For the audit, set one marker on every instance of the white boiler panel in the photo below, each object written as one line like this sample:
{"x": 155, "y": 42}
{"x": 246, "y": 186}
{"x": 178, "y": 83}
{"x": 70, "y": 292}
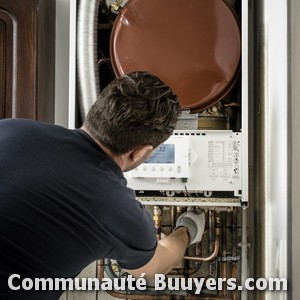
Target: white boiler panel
{"x": 193, "y": 161}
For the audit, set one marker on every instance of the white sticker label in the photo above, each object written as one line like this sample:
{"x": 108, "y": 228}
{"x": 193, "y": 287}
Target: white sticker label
{"x": 224, "y": 160}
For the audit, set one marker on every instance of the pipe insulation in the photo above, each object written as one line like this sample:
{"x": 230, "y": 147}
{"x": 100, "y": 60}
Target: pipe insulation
{"x": 87, "y": 70}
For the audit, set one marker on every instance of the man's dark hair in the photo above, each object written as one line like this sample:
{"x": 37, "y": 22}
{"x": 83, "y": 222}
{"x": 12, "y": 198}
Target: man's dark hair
{"x": 134, "y": 109}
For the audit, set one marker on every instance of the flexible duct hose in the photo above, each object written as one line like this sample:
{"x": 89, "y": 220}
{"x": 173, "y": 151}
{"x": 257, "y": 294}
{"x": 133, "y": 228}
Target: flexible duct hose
{"x": 108, "y": 269}
{"x": 88, "y": 75}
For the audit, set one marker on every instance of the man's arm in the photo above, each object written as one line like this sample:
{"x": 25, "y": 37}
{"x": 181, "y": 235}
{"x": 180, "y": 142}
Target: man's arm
{"x": 171, "y": 249}
{"x": 169, "y": 252}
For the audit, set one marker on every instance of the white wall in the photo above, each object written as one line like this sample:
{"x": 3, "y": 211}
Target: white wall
{"x": 65, "y": 65}
{"x": 295, "y": 146}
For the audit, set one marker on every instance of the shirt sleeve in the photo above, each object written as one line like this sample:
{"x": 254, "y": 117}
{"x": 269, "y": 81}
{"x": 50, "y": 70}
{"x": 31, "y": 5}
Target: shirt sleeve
{"x": 128, "y": 228}
{"x": 138, "y": 241}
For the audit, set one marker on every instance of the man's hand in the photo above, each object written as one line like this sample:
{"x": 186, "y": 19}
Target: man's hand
{"x": 194, "y": 221}
{"x": 171, "y": 249}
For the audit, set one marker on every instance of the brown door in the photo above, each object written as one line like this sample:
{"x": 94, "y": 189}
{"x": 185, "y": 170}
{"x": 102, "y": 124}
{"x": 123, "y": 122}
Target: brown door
{"x": 27, "y": 59}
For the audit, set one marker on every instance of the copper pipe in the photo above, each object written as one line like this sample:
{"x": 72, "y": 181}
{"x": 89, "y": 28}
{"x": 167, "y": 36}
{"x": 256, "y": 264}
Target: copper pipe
{"x": 213, "y": 255}
{"x": 178, "y": 211}
{"x": 183, "y": 271}
{"x": 232, "y": 104}
{"x": 211, "y": 233}
{"x": 223, "y": 274}
{"x": 198, "y": 253}
{"x": 157, "y": 221}
{"x": 234, "y": 275}
{"x": 100, "y": 269}
{"x": 234, "y": 268}
{"x": 132, "y": 296}
{"x": 173, "y": 217}
{"x": 137, "y": 296}
{"x": 234, "y": 233}
{"x": 223, "y": 264}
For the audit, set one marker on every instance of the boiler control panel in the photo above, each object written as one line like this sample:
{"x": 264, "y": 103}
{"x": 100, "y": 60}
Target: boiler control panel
{"x": 192, "y": 161}
{"x": 169, "y": 160}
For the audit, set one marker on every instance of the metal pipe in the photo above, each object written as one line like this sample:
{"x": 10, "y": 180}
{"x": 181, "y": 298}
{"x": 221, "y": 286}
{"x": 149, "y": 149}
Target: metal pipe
{"x": 157, "y": 221}
{"x": 270, "y": 198}
{"x": 184, "y": 271}
{"x": 173, "y": 216}
{"x": 108, "y": 269}
{"x": 87, "y": 70}
{"x": 100, "y": 269}
{"x": 223, "y": 264}
{"x": 234, "y": 274}
{"x": 234, "y": 266}
{"x": 214, "y": 254}
{"x": 234, "y": 233}
{"x": 152, "y": 296}
{"x": 232, "y": 104}
{"x": 244, "y": 253}
{"x": 212, "y": 265}
{"x": 198, "y": 253}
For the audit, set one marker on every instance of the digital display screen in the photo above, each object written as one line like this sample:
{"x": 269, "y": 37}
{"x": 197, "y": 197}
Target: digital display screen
{"x": 164, "y": 154}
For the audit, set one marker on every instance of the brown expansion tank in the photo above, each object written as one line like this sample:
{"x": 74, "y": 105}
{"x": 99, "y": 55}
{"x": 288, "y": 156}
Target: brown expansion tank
{"x": 192, "y": 45}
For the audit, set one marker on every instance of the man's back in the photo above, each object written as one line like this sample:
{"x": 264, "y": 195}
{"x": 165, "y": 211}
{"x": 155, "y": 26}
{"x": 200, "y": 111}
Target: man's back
{"x": 52, "y": 220}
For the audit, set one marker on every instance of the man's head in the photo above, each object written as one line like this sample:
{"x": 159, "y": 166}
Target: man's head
{"x": 134, "y": 110}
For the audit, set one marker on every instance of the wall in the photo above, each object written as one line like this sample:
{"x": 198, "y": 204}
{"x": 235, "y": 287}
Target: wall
{"x": 65, "y": 66}
{"x": 295, "y": 147}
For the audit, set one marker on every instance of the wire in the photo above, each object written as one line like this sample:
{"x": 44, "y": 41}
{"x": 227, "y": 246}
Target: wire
{"x": 107, "y": 60}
